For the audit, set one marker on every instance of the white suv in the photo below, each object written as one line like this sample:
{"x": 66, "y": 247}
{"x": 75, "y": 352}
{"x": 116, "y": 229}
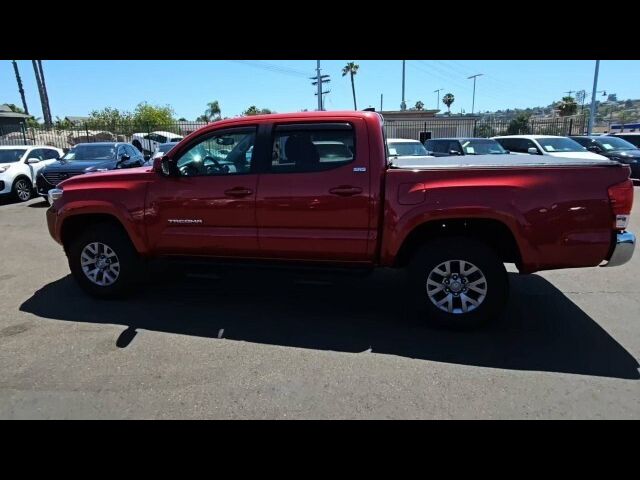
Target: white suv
{"x": 19, "y": 165}
{"x": 148, "y": 142}
{"x": 551, "y": 145}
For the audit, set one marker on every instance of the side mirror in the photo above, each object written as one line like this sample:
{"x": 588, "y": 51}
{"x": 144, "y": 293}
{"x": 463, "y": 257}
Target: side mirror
{"x": 162, "y": 165}
{"x": 147, "y": 157}
{"x": 532, "y": 151}
{"x": 33, "y": 160}
{"x": 594, "y": 148}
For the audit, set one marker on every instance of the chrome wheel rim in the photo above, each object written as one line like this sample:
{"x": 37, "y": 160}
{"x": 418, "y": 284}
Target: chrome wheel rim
{"x": 456, "y": 286}
{"x": 22, "y": 190}
{"x": 100, "y": 264}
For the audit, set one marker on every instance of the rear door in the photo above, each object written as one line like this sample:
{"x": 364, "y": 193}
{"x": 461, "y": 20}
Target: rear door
{"x": 314, "y": 195}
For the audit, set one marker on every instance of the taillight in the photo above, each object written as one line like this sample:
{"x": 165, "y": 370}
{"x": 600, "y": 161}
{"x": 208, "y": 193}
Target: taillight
{"x": 621, "y": 199}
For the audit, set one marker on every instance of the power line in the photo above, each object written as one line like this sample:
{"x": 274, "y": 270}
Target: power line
{"x": 273, "y": 68}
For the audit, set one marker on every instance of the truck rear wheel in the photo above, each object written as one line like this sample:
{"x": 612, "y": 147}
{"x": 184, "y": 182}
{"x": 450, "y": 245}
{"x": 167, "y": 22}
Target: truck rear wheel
{"x": 103, "y": 261}
{"x": 458, "y": 282}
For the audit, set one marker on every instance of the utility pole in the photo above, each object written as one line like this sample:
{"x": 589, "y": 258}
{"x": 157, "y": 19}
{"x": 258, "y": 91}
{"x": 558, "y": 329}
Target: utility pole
{"x": 473, "y": 102}
{"x": 569, "y": 92}
{"x": 593, "y": 98}
{"x": 319, "y": 80}
{"x": 49, "y": 120}
{"x": 381, "y": 102}
{"x": 20, "y": 89}
{"x": 40, "y": 91}
{"x": 438, "y": 97}
{"x": 403, "y": 104}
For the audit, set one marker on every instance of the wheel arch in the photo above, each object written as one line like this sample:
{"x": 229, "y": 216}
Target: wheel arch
{"x": 74, "y": 224}
{"x": 494, "y": 233}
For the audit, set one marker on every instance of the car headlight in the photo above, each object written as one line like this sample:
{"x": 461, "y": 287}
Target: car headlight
{"x": 4, "y": 168}
{"x": 54, "y": 194}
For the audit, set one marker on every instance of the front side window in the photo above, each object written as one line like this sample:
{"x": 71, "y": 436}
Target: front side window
{"x": 11, "y": 155}
{"x": 50, "y": 154}
{"x": 560, "y": 144}
{"x": 221, "y": 154}
{"x": 311, "y": 150}
{"x": 36, "y": 153}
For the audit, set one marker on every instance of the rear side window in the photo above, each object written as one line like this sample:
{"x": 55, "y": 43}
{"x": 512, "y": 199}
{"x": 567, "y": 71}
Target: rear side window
{"x": 437, "y": 146}
{"x": 519, "y": 145}
{"x": 50, "y": 154}
{"x": 312, "y": 147}
{"x": 454, "y": 146}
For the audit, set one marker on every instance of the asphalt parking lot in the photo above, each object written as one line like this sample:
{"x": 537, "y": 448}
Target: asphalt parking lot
{"x": 253, "y": 344}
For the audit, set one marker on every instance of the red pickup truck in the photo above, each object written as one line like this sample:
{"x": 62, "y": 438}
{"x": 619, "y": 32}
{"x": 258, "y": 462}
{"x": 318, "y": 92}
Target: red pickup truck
{"x": 318, "y": 189}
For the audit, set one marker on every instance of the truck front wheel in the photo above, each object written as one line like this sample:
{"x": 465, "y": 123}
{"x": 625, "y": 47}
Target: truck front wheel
{"x": 103, "y": 261}
{"x": 458, "y": 282}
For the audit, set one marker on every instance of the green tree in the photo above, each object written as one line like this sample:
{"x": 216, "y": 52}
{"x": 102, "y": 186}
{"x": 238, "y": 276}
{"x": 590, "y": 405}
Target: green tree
{"x": 419, "y": 105}
{"x": 351, "y": 69}
{"x": 448, "y": 100}
{"x": 519, "y": 125}
{"x": 484, "y": 130}
{"x": 253, "y": 110}
{"x": 213, "y": 112}
{"x": 567, "y": 106}
{"x": 146, "y": 114}
{"x": 109, "y": 119}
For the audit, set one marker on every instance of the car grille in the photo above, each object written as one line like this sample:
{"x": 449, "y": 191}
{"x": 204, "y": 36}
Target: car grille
{"x": 55, "y": 178}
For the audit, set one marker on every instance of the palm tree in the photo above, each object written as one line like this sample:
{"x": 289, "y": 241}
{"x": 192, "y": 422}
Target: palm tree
{"x": 351, "y": 68}
{"x": 213, "y": 111}
{"x": 448, "y": 100}
{"x": 20, "y": 89}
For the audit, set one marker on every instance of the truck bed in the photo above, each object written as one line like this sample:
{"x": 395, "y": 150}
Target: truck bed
{"x": 496, "y": 161}
{"x": 558, "y": 210}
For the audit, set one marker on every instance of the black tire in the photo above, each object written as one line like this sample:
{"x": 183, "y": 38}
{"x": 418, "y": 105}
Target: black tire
{"x": 130, "y": 265}
{"x": 453, "y": 250}
{"x": 22, "y": 187}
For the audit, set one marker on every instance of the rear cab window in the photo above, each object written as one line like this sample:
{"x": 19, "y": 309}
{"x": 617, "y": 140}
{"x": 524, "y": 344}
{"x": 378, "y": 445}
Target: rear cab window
{"x": 312, "y": 147}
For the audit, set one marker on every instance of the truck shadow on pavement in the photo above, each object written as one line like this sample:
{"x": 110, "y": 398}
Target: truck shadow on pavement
{"x": 542, "y": 330}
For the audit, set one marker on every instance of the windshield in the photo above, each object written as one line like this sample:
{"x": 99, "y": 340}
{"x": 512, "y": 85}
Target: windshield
{"x": 409, "y": 149}
{"x": 11, "y": 155}
{"x": 560, "y": 144}
{"x": 614, "y": 143}
{"x": 90, "y": 152}
{"x": 482, "y": 147}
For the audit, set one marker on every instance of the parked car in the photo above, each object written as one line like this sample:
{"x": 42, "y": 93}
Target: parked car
{"x": 404, "y": 147}
{"x": 406, "y": 152}
{"x": 160, "y": 150}
{"x": 148, "y": 142}
{"x": 550, "y": 145}
{"x": 286, "y": 204}
{"x": 87, "y": 158}
{"x": 614, "y": 148}
{"x": 19, "y": 167}
{"x": 444, "y": 147}
{"x": 631, "y": 137}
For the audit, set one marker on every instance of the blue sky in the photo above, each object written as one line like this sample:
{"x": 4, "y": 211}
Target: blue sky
{"x": 79, "y": 86}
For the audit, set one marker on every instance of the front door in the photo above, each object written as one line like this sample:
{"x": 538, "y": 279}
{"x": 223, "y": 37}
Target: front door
{"x": 209, "y": 208}
{"x": 314, "y": 197}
